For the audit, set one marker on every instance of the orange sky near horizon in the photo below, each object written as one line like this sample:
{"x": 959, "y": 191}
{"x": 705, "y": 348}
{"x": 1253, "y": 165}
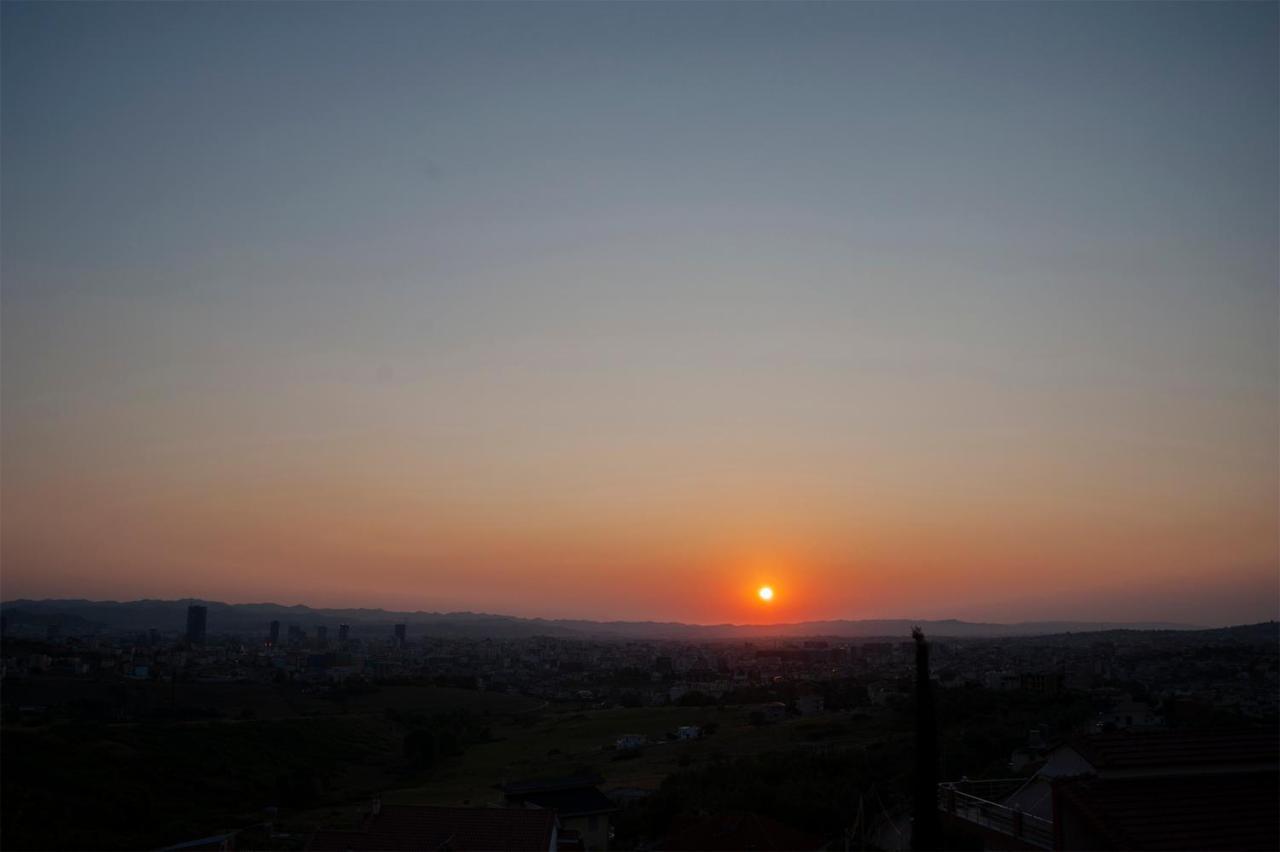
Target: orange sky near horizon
{"x": 677, "y": 510}
{"x": 620, "y": 311}
{"x": 293, "y": 531}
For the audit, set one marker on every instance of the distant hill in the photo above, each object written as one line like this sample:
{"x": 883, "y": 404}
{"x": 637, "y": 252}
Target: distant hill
{"x": 76, "y": 616}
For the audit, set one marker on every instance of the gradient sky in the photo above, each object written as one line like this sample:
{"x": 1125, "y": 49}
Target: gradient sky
{"x": 616, "y": 311}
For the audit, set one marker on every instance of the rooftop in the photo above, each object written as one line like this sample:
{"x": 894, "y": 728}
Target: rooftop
{"x": 1185, "y": 812}
{"x": 577, "y": 801}
{"x": 1171, "y": 749}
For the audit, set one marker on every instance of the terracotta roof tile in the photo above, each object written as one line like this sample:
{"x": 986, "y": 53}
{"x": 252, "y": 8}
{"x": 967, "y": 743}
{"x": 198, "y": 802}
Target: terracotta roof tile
{"x": 1157, "y": 749}
{"x": 1188, "y": 812}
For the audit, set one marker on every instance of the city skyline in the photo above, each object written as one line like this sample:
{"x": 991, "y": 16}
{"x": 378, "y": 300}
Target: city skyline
{"x": 626, "y": 311}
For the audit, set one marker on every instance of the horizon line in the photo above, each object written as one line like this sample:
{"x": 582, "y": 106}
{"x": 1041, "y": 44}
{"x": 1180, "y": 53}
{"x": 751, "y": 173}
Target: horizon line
{"x": 1148, "y": 623}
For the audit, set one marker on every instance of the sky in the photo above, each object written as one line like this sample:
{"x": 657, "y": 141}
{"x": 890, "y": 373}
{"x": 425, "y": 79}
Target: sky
{"x": 623, "y": 310}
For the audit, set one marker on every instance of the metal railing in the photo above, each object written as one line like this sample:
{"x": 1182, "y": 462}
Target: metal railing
{"x": 977, "y": 802}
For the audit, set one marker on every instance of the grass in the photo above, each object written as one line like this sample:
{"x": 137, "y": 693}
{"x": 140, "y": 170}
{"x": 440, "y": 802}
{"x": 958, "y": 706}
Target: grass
{"x": 560, "y": 743}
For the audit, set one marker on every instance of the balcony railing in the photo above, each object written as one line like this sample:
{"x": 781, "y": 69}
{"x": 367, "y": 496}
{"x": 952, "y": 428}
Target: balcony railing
{"x": 978, "y": 803}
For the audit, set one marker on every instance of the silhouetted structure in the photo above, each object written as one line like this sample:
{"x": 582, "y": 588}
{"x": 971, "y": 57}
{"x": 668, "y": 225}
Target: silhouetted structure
{"x": 322, "y": 636}
{"x": 575, "y": 799}
{"x": 275, "y": 634}
{"x": 197, "y": 624}
{"x": 400, "y": 634}
{"x": 344, "y": 632}
{"x": 926, "y": 827}
{"x": 1180, "y": 790}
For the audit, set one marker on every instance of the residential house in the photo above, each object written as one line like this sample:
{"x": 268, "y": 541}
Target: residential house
{"x": 577, "y": 802}
{"x": 1128, "y": 715}
{"x": 1132, "y": 790}
{"x": 630, "y": 741}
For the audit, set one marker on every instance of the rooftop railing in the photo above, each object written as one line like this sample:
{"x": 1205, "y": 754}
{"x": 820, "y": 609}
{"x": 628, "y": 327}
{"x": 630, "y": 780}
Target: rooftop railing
{"x": 979, "y": 803}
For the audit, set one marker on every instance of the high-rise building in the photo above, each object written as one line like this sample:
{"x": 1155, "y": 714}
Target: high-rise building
{"x": 322, "y": 636}
{"x": 400, "y": 632}
{"x": 197, "y": 624}
{"x": 275, "y": 634}
{"x": 344, "y": 632}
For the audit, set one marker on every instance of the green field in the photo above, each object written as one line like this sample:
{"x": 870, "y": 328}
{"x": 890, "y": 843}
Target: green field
{"x": 560, "y": 743}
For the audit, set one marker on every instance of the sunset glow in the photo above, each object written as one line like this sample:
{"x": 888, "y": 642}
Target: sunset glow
{"x": 626, "y": 311}
{"x": 632, "y": 426}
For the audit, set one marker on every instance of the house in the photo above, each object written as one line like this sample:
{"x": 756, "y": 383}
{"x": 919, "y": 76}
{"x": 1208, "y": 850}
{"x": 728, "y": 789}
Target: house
{"x": 1127, "y": 715}
{"x": 1131, "y": 790}
{"x": 414, "y": 827}
{"x": 575, "y": 800}
{"x": 1031, "y": 753}
{"x": 630, "y": 741}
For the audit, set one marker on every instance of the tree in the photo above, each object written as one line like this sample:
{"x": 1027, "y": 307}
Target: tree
{"x": 926, "y": 827}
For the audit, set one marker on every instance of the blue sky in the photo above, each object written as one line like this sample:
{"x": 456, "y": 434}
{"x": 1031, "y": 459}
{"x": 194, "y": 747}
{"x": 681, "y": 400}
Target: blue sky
{"x": 523, "y": 291}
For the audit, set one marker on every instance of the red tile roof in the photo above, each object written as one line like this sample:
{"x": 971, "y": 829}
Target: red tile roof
{"x": 421, "y": 827}
{"x": 1172, "y": 749}
{"x": 570, "y": 803}
{"x": 1237, "y": 811}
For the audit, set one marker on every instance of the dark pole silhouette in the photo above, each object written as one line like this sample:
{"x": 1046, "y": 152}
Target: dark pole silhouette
{"x": 926, "y": 828}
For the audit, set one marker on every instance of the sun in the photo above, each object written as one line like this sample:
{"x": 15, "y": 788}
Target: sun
{"x": 765, "y": 593}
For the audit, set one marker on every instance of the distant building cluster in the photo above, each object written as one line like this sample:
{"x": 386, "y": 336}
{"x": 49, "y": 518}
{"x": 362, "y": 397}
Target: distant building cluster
{"x": 1135, "y": 680}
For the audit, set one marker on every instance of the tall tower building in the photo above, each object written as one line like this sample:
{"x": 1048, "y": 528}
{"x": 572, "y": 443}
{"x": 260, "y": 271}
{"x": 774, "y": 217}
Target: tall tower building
{"x": 197, "y": 624}
{"x": 400, "y": 633}
{"x": 275, "y": 634}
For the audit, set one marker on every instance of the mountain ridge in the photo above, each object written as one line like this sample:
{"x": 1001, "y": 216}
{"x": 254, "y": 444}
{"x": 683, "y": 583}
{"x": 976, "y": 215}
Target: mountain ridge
{"x": 165, "y": 614}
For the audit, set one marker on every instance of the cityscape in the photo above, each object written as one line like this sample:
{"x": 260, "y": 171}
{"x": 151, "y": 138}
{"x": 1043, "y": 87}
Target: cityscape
{"x": 684, "y": 426}
{"x": 607, "y": 733}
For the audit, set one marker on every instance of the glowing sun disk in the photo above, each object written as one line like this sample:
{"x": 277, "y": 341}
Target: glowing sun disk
{"x": 765, "y": 593}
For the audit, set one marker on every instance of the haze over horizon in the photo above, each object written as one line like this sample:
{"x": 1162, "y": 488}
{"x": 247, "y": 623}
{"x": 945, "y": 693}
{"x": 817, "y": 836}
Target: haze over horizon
{"x": 622, "y": 311}
{"x": 394, "y": 610}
